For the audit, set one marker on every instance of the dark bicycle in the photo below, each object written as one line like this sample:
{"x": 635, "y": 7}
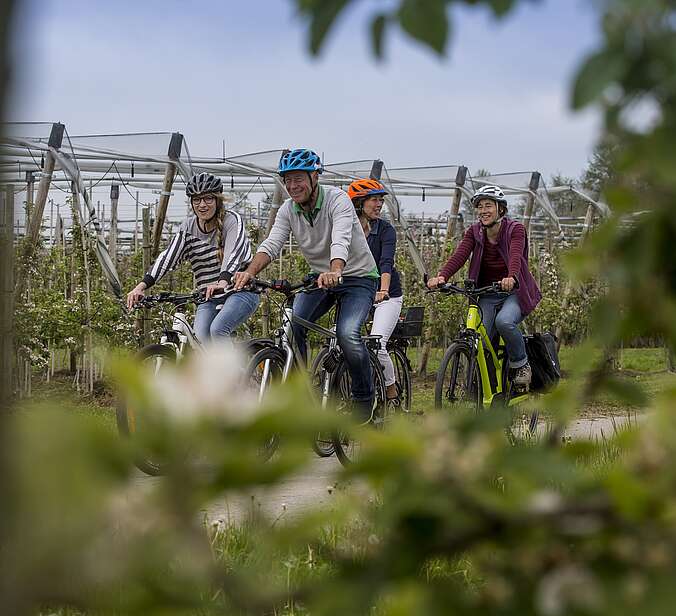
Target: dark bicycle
{"x": 274, "y": 362}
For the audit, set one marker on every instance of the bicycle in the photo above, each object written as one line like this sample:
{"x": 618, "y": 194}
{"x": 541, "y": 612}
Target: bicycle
{"x": 274, "y": 362}
{"x": 474, "y": 370}
{"x": 175, "y": 344}
{"x": 409, "y": 325}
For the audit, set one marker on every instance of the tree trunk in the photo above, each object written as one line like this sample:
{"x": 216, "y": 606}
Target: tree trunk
{"x": 424, "y": 358}
{"x": 6, "y": 296}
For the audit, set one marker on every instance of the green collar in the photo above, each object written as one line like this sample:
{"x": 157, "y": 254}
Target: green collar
{"x": 318, "y": 205}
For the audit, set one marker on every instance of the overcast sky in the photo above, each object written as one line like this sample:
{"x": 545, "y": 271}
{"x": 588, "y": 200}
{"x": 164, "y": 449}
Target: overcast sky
{"x": 239, "y": 71}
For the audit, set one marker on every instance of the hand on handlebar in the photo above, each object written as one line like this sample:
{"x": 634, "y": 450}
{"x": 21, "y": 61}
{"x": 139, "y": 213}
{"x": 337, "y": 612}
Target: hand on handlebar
{"x": 135, "y": 295}
{"x": 219, "y": 287}
{"x": 327, "y": 280}
{"x": 508, "y": 284}
{"x": 433, "y": 283}
{"x": 241, "y": 280}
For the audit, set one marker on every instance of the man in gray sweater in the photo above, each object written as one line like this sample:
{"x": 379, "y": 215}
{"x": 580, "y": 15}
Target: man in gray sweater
{"x": 328, "y": 233}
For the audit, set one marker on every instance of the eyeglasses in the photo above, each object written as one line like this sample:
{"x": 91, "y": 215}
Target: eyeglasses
{"x": 208, "y": 199}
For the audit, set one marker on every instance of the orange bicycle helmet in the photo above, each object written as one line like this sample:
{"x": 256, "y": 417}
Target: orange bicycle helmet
{"x": 365, "y": 188}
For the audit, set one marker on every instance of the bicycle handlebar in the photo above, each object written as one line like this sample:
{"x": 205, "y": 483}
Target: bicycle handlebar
{"x": 284, "y": 286}
{"x": 165, "y": 297}
{"x": 449, "y": 288}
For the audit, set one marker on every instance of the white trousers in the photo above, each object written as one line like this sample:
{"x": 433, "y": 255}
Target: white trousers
{"x": 385, "y": 318}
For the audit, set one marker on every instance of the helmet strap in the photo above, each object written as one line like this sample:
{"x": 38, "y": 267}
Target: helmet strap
{"x": 312, "y": 191}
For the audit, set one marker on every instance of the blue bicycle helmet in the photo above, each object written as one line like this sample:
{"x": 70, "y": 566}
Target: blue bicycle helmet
{"x": 299, "y": 159}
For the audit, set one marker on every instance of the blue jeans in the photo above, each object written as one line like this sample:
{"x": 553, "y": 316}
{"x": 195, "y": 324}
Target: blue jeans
{"x": 505, "y": 315}
{"x": 355, "y": 297}
{"x": 215, "y": 318}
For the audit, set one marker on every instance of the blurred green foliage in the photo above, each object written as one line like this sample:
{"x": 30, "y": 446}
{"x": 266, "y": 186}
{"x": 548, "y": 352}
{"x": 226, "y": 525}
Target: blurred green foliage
{"x": 444, "y": 516}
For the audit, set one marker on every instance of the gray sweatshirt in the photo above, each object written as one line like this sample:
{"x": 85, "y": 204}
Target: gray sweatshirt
{"x": 332, "y": 232}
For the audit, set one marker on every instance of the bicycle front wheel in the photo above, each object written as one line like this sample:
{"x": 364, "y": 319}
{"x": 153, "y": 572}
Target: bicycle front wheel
{"x": 458, "y": 379}
{"x": 132, "y": 422}
{"x": 347, "y": 446}
{"x": 265, "y": 369}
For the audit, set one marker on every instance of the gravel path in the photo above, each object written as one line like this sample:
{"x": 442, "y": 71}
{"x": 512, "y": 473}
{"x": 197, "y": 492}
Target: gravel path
{"x": 315, "y": 486}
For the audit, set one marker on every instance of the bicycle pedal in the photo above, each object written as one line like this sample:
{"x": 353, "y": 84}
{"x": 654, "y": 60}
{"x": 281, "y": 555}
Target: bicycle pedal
{"x": 520, "y": 389}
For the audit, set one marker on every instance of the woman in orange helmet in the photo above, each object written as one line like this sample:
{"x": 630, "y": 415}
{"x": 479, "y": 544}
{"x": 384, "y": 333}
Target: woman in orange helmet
{"x": 368, "y": 197}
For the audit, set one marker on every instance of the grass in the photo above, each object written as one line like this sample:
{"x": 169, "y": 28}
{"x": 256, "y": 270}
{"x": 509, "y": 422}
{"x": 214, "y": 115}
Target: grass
{"x": 99, "y": 407}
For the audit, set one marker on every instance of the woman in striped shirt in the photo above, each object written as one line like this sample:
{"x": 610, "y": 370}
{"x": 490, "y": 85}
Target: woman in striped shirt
{"x": 215, "y": 242}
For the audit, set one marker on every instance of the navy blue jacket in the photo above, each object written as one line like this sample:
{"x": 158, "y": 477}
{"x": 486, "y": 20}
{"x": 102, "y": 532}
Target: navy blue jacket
{"x": 382, "y": 240}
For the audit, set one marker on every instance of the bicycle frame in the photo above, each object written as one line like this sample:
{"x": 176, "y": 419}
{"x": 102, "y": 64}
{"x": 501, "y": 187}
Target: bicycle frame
{"x": 482, "y": 350}
{"x": 286, "y": 341}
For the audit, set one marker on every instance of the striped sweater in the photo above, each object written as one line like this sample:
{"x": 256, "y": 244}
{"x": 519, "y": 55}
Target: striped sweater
{"x": 201, "y": 249}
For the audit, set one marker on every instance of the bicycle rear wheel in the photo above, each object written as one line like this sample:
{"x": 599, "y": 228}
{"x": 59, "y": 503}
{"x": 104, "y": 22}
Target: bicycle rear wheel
{"x": 132, "y": 423}
{"x": 402, "y": 373}
{"x": 347, "y": 446}
{"x": 458, "y": 379}
{"x": 265, "y": 369}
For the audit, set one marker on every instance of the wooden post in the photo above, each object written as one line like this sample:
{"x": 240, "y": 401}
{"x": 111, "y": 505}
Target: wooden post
{"x": 6, "y": 297}
{"x": 568, "y": 290}
{"x": 112, "y": 236}
{"x": 30, "y": 196}
{"x": 278, "y": 195}
{"x": 530, "y": 201}
{"x": 460, "y": 178}
{"x": 51, "y": 222}
{"x": 174, "y": 154}
{"x": 33, "y": 232}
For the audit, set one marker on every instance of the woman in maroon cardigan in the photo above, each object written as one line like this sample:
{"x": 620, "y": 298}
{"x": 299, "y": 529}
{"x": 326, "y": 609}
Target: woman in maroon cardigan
{"x": 499, "y": 249}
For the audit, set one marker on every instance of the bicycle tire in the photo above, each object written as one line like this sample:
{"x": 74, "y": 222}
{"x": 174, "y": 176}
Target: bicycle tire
{"x": 322, "y": 444}
{"x": 402, "y": 374}
{"x": 451, "y": 382}
{"x": 275, "y": 361}
{"x": 346, "y": 446}
{"x": 530, "y": 425}
{"x": 127, "y": 416}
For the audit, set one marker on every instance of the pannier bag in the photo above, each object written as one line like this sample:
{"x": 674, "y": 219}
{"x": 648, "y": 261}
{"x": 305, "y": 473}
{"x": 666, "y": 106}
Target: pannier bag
{"x": 544, "y": 361}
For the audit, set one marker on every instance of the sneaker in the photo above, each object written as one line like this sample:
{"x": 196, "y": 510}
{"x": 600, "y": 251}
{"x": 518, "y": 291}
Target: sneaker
{"x": 523, "y": 375}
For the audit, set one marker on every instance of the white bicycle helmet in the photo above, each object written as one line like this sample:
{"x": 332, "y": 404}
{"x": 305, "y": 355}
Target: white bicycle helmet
{"x": 489, "y": 191}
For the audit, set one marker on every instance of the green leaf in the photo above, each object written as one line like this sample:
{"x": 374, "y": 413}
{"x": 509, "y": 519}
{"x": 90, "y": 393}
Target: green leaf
{"x": 501, "y": 7}
{"x": 377, "y": 31}
{"x": 598, "y": 72}
{"x": 322, "y": 16}
{"x": 426, "y": 21}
